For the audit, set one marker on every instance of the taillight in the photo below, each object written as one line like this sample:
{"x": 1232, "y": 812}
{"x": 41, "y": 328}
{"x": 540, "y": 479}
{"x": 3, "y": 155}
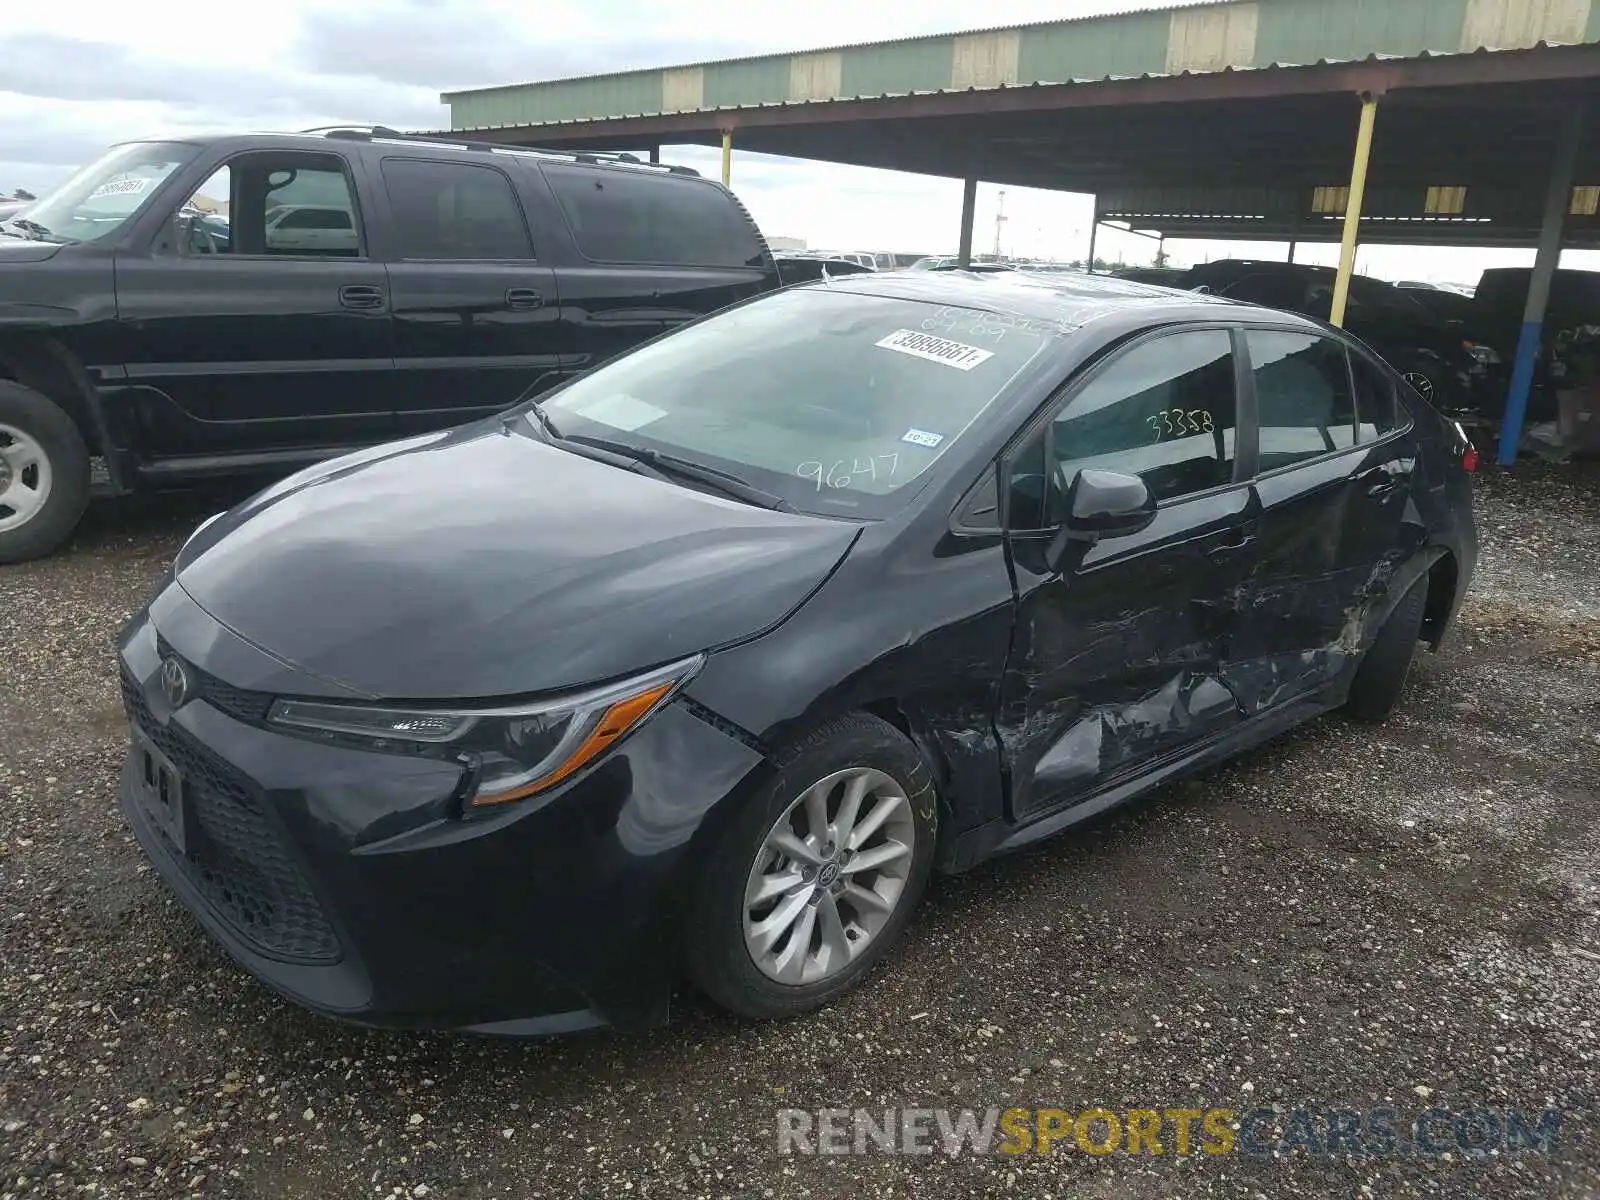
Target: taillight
{"x": 1469, "y": 459}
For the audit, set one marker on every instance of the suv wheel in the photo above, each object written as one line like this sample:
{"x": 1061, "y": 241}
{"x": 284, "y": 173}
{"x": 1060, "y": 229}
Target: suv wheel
{"x": 44, "y": 474}
{"x": 1422, "y": 382}
{"x": 813, "y": 882}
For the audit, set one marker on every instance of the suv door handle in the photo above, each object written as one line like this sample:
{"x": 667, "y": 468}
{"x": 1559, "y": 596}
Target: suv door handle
{"x": 361, "y": 295}
{"x": 524, "y": 298}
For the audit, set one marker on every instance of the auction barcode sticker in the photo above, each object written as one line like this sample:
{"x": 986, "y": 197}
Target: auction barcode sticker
{"x": 935, "y": 349}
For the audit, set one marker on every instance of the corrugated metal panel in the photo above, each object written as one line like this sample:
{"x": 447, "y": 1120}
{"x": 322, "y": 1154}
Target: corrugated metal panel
{"x": 1212, "y": 39}
{"x": 1305, "y": 31}
{"x": 569, "y": 99}
{"x": 984, "y": 60}
{"x": 683, "y": 89}
{"x": 1067, "y": 50}
{"x": 894, "y": 68}
{"x": 1206, "y": 36}
{"x": 1518, "y": 24}
{"x": 814, "y": 76}
{"x": 843, "y": 46}
{"x": 747, "y": 81}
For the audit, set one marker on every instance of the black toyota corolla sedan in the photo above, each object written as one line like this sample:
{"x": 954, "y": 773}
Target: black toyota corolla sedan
{"x": 700, "y": 664}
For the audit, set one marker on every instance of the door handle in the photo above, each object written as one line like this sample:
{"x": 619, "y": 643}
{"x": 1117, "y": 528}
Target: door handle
{"x": 361, "y": 295}
{"x": 1378, "y": 483}
{"x": 524, "y": 298}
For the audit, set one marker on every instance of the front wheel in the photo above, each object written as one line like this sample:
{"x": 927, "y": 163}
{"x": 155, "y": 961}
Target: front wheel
{"x": 812, "y": 883}
{"x": 44, "y": 474}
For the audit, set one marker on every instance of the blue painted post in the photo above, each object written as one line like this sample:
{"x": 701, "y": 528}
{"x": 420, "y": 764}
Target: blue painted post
{"x": 1557, "y": 201}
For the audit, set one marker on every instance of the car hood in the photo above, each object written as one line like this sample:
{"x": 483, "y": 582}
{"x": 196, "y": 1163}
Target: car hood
{"x": 25, "y": 250}
{"x": 485, "y": 563}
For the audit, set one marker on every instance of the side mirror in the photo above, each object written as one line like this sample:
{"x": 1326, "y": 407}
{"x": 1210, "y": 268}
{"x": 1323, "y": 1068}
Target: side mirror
{"x": 1100, "y": 504}
{"x": 1203, "y": 288}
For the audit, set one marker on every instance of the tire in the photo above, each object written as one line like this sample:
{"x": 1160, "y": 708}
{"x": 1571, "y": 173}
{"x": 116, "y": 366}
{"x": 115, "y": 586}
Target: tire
{"x": 1382, "y": 674}
{"x": 1427, "y": 380}
{"x": 717, "y": 921}
{"x": 44, "y": 474}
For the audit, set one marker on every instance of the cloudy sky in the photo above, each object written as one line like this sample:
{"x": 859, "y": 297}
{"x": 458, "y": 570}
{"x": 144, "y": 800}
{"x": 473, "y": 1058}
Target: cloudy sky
{"x": 73, "y": 80}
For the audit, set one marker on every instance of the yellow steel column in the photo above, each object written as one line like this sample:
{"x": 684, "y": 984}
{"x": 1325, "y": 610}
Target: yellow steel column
{"x": 1352, "y": 211}
{"x": 727, "y": 157}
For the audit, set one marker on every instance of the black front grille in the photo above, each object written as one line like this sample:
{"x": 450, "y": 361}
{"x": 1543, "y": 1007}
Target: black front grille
{"x": 239, "y": 703}
{"x": 235, "y": 857}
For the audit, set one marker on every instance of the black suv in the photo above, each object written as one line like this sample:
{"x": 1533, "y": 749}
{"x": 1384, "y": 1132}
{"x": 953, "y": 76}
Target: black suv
{"x": 1446, "y": 368}
{"x": 243, "y": 304}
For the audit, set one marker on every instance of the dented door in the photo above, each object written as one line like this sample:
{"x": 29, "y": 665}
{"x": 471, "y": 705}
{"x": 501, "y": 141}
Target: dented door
{"x": 1119, "y": 661}
{"x": 1331, "y": 505}
{"x": 1117, "y": 658}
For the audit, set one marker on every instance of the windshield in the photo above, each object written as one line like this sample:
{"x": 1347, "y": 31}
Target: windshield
{"x": 100, "y": 198}
{"x": 834, "y": 401}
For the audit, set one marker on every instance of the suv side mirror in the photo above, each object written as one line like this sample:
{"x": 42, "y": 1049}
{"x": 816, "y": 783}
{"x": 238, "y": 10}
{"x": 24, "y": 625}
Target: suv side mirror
{"x": 1100, "y": 504}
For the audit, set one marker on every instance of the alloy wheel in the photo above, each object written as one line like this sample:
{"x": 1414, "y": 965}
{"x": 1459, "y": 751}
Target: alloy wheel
{"x": 829, "y": 875}
{"x": 25, "y": 478}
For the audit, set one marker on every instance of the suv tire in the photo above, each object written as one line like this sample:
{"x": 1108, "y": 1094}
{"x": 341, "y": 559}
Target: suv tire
{"x": 1382, "y": 674}
{"x": 854, "y": 755}
{"x": 44, "y": 474}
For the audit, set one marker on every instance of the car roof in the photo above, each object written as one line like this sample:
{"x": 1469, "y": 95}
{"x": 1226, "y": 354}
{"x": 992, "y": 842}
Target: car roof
{"x": 1067, "y": 301}
{"x": 421, "y": 144}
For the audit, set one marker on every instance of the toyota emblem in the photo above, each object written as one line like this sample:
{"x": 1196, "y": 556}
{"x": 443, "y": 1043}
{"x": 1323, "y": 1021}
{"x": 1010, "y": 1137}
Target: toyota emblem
{"x": 174, "y": 681}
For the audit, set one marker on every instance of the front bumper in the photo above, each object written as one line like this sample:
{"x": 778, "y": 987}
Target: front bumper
{"x": 349, "y": 881}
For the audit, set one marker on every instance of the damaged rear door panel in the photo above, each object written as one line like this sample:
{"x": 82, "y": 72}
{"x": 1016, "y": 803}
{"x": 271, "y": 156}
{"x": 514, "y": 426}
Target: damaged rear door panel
{"x": 1119, "y": 658}
{"x": 1333, "y": 488}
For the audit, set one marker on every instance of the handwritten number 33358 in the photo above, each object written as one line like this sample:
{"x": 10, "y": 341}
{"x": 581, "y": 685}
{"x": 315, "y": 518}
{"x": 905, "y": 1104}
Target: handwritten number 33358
{"x": 1176, "y": 422}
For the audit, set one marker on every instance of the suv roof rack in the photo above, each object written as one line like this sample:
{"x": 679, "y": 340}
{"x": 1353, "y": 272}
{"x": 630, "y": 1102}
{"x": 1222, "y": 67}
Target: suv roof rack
{"x": 367, "y": 133}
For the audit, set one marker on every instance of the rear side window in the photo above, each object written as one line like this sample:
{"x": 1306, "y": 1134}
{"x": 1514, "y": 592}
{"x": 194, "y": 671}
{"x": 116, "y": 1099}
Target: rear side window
{"x": 1164, "y": 410}
{"x": 1303, "y": 400}
{"x": 454, "y": 211}
{"x": 628, "y": 216}
{"x": 1376, "y": 407}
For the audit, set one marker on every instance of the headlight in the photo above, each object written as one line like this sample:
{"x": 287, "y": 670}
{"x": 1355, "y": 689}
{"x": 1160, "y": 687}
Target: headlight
{"x": 515, "y": 751}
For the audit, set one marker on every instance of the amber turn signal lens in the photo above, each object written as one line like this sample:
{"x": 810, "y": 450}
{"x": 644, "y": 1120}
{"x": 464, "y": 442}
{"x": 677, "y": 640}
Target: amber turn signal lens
{"x": 616, "y": 721}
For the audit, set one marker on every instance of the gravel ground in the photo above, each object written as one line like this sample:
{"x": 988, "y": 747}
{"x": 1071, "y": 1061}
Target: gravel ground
{"x": 1394, "y": 917}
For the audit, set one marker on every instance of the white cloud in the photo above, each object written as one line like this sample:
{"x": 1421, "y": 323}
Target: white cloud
{"x": 117, "y": 71}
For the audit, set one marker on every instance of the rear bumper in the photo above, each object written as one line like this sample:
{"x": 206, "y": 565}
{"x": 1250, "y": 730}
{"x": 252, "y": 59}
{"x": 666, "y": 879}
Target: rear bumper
{"x": 350, "y": 882}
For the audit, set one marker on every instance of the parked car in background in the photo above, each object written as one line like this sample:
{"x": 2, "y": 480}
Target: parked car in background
{"x": 705, "y": 662}
{"x": 1497, "y": 311}
{"x": 1444, "y": 365}
{"x": 934, "y": 262}
{"x": 314, "y": 228}
{"x": 1160, "y": 276}
{"x": 796, "y": 267}
{"x": 364, "y": 286}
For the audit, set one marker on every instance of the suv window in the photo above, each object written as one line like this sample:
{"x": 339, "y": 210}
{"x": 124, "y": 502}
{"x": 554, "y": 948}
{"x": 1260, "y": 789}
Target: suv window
{"x": 268, "y": 196}
{"x": 454, "y": 211}
{"x": 1376, "y": 405}
{"x": 1164, "y": 410}
{"x": 1303, "y": 400}
{"x": 629, "y": 216}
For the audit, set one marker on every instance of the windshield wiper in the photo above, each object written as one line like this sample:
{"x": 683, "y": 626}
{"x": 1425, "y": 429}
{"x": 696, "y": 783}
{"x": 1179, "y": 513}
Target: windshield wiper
{"x": 40, "y": 232}
{"x": 670, "y": 465}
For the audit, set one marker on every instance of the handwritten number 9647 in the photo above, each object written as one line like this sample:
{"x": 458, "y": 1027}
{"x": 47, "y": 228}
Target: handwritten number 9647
{"x": 1178, "y": 422}
{"x": 841, "y": 473}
